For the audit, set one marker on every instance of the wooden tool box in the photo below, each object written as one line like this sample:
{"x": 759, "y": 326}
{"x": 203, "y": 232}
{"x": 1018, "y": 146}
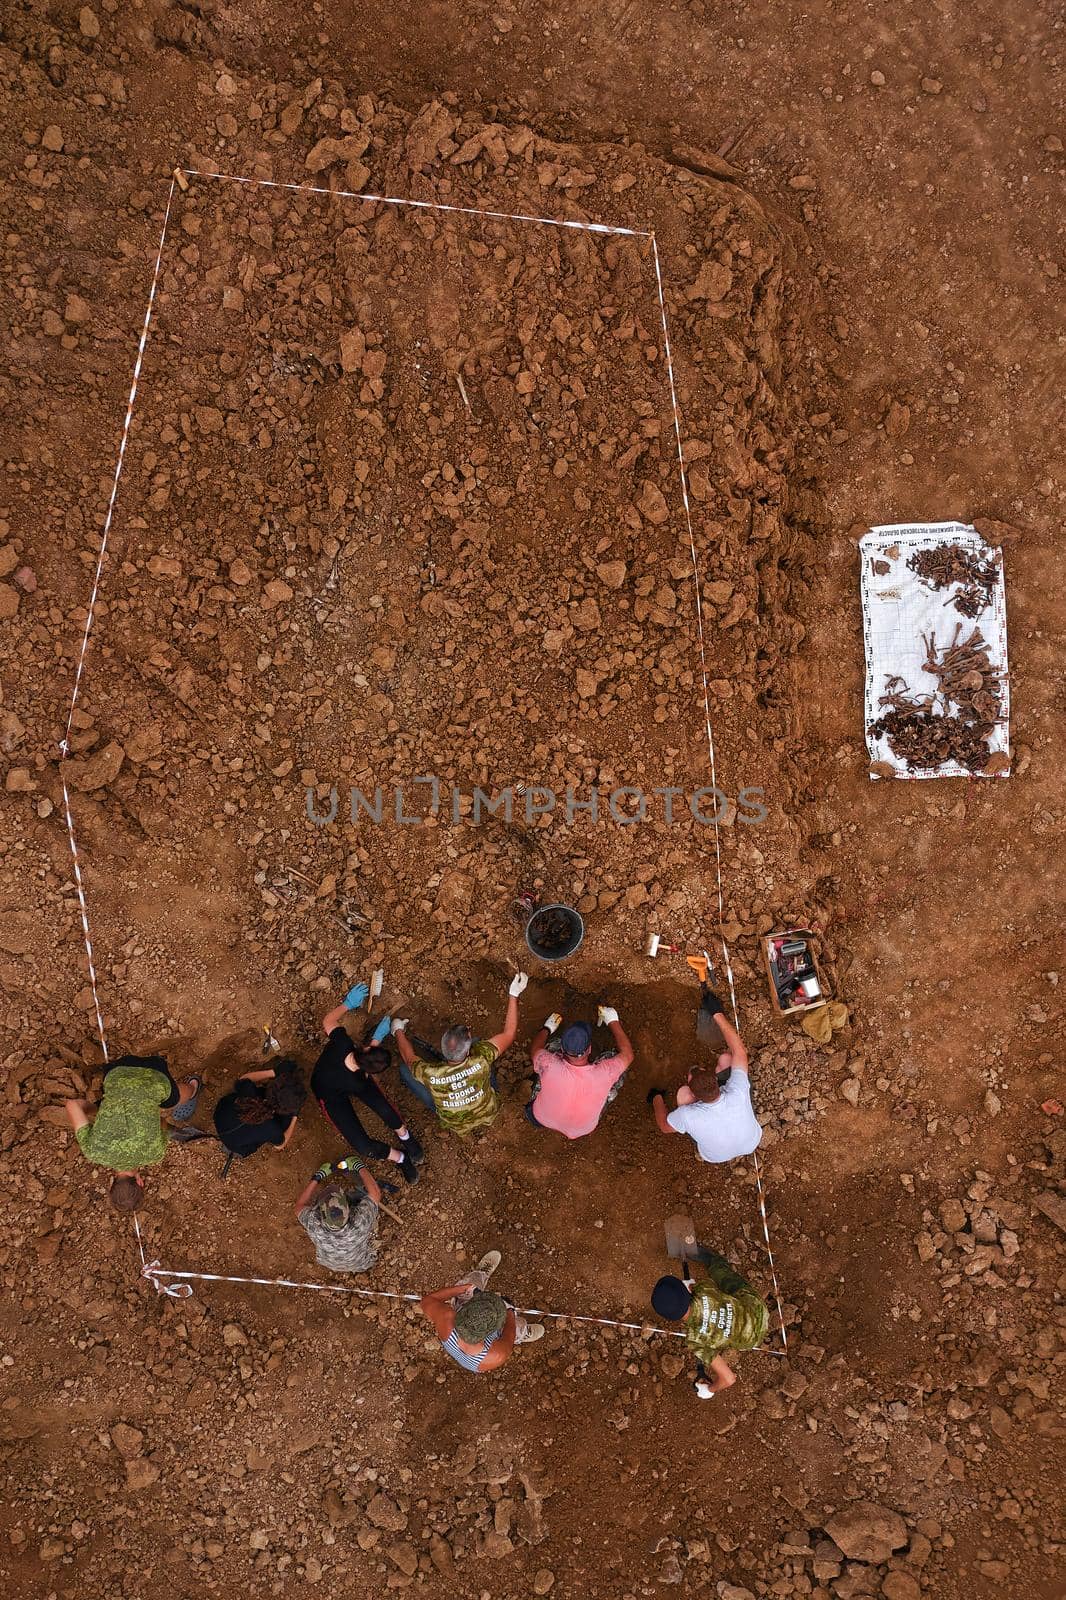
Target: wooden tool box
{"x": 792, "y": 971}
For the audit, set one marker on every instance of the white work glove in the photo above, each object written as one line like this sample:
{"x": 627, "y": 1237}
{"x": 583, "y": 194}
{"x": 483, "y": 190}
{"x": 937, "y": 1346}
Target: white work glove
{"x": 399, "y": 1024}
{"x": 607, "y": 1014}
{"x": 704, "y": 1390}
{"x": 518, "y": 983}
{"x": 552, "y": 1022}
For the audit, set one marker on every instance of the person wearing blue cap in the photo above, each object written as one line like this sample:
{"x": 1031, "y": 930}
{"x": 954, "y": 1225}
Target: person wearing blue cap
{"x": 571, "y": 1086}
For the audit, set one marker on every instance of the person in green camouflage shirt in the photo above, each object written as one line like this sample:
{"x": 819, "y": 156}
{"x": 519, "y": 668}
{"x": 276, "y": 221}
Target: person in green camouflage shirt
{"x": 720, "y": 1312}
{"x": 460, "y": 1086}
{"x": 127, "y": 1132}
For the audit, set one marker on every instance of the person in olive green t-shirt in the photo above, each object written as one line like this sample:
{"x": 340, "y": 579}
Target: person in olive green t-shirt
{"x": 461, "y": 1087}
{"x": 720, "y": 1312}
{"x": 126, "y": 1133}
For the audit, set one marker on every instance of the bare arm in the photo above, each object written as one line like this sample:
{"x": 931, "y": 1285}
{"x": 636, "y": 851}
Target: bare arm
{"x": 259, "y": 1077}
{"x": 734, "y": 1043}
{"x": 307, "y": 1196}
{"x": 371, "y": 1185}
{"x": 499, "y": 1352}
{"x": 334, "y": 1019}
{"x": 658, "y": 1106}
{"x": 438, "y": 1309}
{"x": 289, "y": 1131}
{"x": 441, "y": 1296}
{"x": 720, "y": 1375}
{"x": 621, "y": 1039}
{"x": 76, "y": 1111}
{"x": 539, "y": 1040}
{"x": 504, "y": 1040}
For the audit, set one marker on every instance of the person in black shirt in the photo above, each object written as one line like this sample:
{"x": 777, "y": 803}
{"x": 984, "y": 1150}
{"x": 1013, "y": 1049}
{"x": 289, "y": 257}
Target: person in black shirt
{"x": 261, "y": 1108}
{"x": 345, "y": 1072}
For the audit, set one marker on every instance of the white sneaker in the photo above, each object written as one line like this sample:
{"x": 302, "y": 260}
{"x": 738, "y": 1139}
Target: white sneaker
{"x": 489, "y": 1262}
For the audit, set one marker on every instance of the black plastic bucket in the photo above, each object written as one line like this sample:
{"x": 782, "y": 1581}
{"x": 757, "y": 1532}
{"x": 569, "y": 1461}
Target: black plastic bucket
{"x": 554, "y": 932}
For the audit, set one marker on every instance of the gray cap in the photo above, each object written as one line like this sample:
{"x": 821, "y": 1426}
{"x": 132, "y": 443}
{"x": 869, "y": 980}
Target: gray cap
{"x": 455, "y": 1043}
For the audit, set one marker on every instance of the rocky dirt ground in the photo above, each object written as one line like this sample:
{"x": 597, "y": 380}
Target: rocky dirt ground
{"x": 401, "y": 497}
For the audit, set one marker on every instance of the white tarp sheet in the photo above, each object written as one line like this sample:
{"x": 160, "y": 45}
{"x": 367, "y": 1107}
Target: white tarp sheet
{"x": 898, "y": 608}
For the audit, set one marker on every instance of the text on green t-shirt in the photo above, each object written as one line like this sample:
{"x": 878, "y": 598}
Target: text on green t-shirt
{"x": 462, "y": 1090}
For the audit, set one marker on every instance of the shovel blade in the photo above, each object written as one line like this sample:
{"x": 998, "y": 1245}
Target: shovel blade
{"x": 680, "y": 1233}
{"x": 707, "y": 1030}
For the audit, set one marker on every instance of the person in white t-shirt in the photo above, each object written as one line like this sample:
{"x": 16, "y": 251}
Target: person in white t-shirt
{"x": 717, "y": 1116}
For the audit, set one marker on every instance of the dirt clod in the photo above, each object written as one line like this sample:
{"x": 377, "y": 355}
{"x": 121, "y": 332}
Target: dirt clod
{"x": 866, "y": 1531}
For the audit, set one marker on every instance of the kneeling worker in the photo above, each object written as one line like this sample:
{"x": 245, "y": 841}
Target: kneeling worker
{"x": 572, "y": 1088}
{"x": 461, "y": 1086}
{"x": 346, "y": 1071}
{"x": 717, "y": 1116}
{"x": 341, "y": 1219}
{"x": 126, "y": 1132}
{"x": 477, "y": 1329}
{"x": 720, "y": 1312}
{"x": 261, "y": 1108}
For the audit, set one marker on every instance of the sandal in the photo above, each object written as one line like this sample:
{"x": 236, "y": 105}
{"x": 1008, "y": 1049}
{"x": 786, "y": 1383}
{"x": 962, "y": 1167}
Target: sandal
{"x": 185, "y": 1109}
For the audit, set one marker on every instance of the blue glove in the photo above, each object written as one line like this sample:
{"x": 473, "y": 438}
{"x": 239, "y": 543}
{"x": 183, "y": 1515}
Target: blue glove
{"x": 356, "y": 996}
{"x": 382, "y": 1031}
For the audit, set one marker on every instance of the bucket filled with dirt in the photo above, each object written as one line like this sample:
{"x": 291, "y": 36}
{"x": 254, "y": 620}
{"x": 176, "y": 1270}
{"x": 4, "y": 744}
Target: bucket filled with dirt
{"x": 554, "y": 932}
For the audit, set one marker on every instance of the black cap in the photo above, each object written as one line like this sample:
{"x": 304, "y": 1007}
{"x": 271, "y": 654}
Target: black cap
{"x": 670, "y": 1298}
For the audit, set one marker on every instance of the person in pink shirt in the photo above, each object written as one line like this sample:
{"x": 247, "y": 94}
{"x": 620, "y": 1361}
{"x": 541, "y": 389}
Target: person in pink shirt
{"x": 572, "y": 1089}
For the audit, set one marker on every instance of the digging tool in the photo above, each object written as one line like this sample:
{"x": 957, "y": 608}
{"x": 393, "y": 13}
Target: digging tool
{"x": 680, "y": 1231}
{"x": 342, "y": 1166}
{"x": 426, "y": 1051}
{"x": 190, "y": 1135}
{"x": 707, "y": 1030}
{"x": 655, "y": 944}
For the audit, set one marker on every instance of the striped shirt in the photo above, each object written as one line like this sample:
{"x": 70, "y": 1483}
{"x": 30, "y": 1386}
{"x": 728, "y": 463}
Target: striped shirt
{"x": 471, "y": 1362}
